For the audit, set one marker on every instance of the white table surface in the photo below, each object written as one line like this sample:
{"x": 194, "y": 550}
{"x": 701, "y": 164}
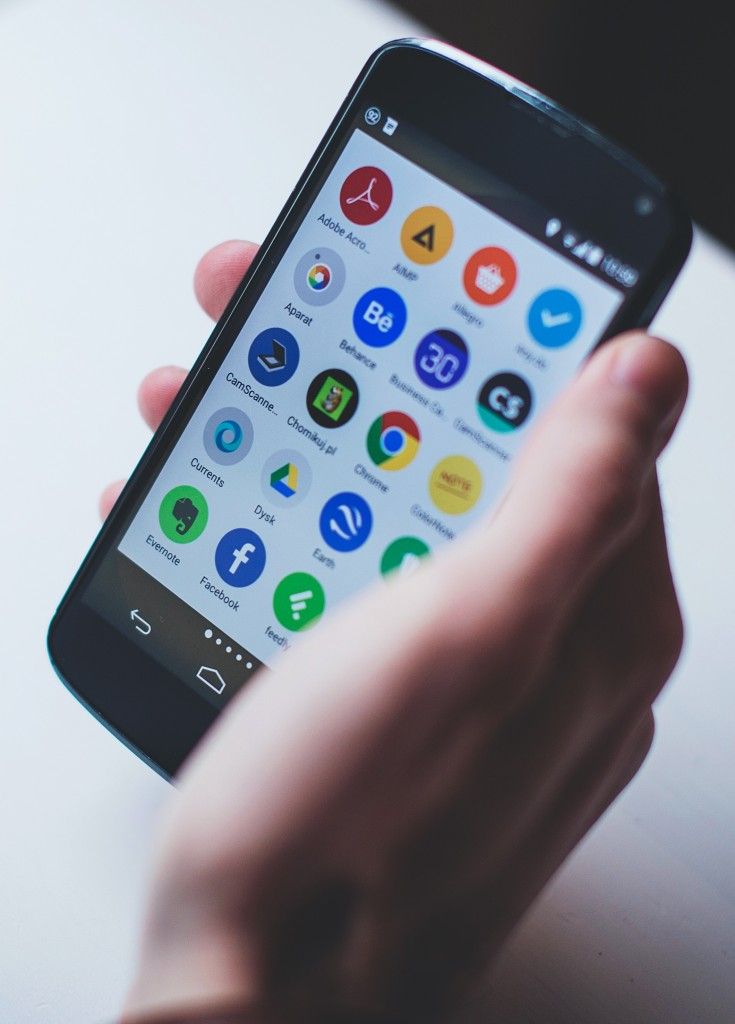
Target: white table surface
{"x": 133, "y": 135}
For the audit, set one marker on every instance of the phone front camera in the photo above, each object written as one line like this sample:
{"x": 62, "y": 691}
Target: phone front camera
{"x": 644, "y": 206}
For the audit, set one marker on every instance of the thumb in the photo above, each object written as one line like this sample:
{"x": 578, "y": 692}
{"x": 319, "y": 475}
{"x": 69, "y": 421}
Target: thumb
{"x": 576, "y": 493}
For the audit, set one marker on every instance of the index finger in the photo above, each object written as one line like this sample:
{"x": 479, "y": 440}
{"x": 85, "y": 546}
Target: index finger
{"x": 216, "y": 277}
{"x": 219, "y": 272}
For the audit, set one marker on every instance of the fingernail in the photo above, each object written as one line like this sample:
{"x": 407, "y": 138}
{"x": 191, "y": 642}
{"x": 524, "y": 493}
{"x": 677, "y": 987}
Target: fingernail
{"x": 655, "y": 371}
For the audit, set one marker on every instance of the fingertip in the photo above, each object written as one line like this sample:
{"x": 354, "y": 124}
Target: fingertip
{"x": 219, "y": 272}
{"x": 157, "y": 391}
{"x": 652, "y": 370}
{"x": 109, "y": 496}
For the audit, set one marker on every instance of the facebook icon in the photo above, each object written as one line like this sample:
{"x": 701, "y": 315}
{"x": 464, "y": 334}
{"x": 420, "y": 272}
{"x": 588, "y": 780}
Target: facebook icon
{"x": 240, "y": 557}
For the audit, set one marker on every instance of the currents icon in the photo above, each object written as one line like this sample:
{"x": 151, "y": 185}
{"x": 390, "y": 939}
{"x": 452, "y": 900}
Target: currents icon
{"x": 228, "y": 436}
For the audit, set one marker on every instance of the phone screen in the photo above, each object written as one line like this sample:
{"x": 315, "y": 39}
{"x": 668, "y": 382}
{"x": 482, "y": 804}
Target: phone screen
{"x": 418, "y": 323}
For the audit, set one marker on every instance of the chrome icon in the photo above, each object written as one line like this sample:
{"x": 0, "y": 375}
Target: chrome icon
{"x": 319, "y": 276}
{"x": 393, "y": 440}
{"x": 228, "y": 436}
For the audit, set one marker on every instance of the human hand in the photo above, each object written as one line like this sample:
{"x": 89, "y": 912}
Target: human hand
{"x": 362, "y": 828}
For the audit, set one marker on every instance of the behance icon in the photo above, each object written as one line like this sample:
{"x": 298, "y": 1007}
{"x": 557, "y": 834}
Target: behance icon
{"x": 228, "y": 436}
{"x": 393, "y": 440}
{"x": 379, "y": 317}
{"x": 285, "y": 478}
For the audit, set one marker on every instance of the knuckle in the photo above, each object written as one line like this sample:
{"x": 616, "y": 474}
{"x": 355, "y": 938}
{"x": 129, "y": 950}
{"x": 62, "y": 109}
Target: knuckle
{"x": 647, "y": 732}
{"x": 638, "y": 746}
{"x": 666, "y": 640}
{"x": 630, "y": 666}
{"x": 647, "y": 663}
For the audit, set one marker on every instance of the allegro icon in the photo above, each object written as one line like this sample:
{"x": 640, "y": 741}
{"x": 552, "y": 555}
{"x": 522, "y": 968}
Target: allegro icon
{"x": 489, "y": 275}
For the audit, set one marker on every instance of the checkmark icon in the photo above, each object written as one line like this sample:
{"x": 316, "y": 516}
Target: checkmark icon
{"x": 554, "y": 318}
{"x": 549, "y": 319}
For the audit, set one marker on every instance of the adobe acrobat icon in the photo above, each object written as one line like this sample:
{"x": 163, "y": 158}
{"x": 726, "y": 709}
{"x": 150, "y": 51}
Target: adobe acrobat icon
{"x": 366, "y": 195}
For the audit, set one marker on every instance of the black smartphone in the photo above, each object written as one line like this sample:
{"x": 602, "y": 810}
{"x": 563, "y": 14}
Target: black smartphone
{"x": 454, "y": 250}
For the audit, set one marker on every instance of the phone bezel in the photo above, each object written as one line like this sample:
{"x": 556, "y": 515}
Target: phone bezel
{"x": 149, "y": 708}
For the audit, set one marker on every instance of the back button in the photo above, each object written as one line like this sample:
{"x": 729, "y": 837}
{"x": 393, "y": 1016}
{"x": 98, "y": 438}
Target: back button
{"x": 139, "y": 622}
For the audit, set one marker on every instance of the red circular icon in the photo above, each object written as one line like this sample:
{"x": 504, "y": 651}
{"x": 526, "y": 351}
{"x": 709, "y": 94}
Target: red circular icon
{"x": 366, "y": 195}
{"x": 490, "y": 275}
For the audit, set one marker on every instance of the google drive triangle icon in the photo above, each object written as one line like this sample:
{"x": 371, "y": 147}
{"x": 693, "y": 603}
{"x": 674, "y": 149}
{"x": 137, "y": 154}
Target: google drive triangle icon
{"x": 285, "y": 479}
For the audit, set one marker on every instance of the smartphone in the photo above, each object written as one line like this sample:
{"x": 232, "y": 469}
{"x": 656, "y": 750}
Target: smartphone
{"x": 456, "y": 247}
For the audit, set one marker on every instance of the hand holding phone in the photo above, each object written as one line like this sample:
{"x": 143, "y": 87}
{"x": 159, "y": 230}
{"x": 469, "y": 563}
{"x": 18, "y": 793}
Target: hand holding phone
{"x": 454, "y": 251}
{"x": 501, "y": 695}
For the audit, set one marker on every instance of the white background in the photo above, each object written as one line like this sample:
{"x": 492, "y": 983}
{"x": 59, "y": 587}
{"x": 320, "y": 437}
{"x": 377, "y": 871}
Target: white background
{"x": 133, "y": 135}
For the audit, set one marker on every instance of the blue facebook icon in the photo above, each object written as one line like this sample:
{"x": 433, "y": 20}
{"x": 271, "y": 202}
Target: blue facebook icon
{"x": 240, "y": 557}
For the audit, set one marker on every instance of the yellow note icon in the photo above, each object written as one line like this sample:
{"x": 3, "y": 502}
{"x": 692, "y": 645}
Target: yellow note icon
{"x": 455, "y": 484}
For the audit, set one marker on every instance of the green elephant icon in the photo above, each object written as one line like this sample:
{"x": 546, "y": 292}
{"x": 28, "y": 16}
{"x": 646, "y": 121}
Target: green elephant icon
{"x": 183, "y": 514}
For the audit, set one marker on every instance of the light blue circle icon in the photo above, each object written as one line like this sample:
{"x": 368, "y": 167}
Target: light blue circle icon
{"x": 273, "y": 357}
{"x": 240, "y": 557}
{"x": 554, "y": 318}
{"x": 379, "y": 317}
{"x": 346, "y": 521}
{"x": 228, "y": 436}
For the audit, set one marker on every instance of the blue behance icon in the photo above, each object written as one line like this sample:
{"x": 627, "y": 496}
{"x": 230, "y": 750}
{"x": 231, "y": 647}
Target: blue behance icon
{"x": 379, "y": 317}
